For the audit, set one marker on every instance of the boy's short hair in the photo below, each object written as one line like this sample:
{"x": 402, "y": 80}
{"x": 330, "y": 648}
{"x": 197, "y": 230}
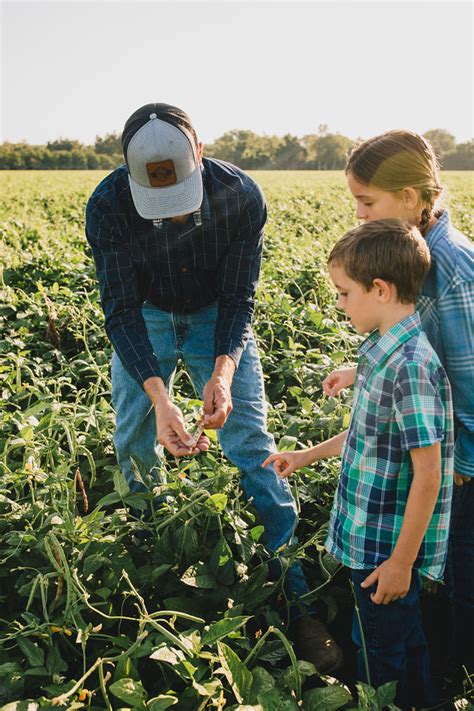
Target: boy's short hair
{"x": 391, "y": 250}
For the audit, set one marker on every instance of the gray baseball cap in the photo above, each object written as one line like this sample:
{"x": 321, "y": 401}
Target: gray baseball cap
{"x": 161, "y": 151}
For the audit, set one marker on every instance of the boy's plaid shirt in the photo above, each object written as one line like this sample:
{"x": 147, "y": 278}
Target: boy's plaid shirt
{"x": 402, "y": 401}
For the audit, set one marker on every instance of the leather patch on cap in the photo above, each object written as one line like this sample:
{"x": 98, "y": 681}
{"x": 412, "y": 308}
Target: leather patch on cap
{"x": 161, "y": 174}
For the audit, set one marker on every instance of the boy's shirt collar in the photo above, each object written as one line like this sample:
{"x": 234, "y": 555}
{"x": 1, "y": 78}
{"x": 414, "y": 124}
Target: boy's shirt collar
{"x": 377, "y": 348}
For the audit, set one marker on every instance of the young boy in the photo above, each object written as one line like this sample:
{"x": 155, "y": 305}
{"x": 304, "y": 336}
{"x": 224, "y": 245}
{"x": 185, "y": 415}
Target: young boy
{"x": 390, "y": 517}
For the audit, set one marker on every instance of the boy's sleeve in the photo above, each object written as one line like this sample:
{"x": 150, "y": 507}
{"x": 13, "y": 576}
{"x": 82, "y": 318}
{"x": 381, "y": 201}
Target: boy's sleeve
{"x": 419, "y": 408}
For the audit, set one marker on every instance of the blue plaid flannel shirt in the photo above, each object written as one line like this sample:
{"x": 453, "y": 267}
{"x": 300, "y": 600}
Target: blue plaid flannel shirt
{"x": 446, "y": 308}
{"x": 178, "y": 267}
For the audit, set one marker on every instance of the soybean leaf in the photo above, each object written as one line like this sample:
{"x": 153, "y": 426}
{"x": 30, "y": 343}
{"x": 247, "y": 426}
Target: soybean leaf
{"x": 129, "y": 691}
{"x": 262, "y": 682}
{"x": 277, "y": 700}
{"x": 330, "y": 698}
{"x": 222, "y": 628}
{"x": 217, "y": 502}
{"x": 55, "y": 664}
{"x": 171, "y": 655}
{"x": 161, "y": 702}
{"x": 32, "y": 652}
{"x": 109, "y": 500}
{"x": 386, "y": 694}
{"x": 198, "y": 576}
{"x": 237, "y": 674}
{"x": 120, "y": 484}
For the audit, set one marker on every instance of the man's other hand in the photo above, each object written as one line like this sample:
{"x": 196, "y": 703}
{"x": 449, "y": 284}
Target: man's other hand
{"x": 217, "y": 402}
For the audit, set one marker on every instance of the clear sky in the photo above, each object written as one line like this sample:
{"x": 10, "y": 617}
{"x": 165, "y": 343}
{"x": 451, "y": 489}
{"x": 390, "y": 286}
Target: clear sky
{"x": 79, "y": 68}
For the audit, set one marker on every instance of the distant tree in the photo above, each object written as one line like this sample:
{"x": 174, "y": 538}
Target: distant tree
{"x": 290, "y": 154}
{"x": 64, "y": 144}
{"x": 327, "y": 152}
{"x": 109, "y": 144}
{"x": 310, "y": 145}
{"x": 230, "y": 146}
{"x": 248, "y": 150}
{"x": 442, "y": 141}
{"x": 259, "y": 152}
{"x": 462, "y": 158}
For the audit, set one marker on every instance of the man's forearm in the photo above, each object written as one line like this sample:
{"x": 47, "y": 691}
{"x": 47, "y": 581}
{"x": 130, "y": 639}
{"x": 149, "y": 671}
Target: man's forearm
{"x": 224, "y": 367}
{"x": 156, "y": 390}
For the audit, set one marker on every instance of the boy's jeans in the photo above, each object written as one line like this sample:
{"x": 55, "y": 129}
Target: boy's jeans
{"x": 244, "y": 438}
{"x": 395, "y": 643}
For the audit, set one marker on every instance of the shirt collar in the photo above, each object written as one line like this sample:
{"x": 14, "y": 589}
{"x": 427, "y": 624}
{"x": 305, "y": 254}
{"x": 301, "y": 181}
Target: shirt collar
{"x": 377, "y": 348}
{"x": 205, "y": 207}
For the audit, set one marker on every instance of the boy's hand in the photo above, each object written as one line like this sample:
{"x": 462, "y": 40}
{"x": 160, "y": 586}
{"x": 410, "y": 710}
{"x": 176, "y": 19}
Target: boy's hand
{"x": 285, "y": 463}
{"x": 339, "y": 379}
{"x": 460, "y": 479}
{"x": 393, "y": 581}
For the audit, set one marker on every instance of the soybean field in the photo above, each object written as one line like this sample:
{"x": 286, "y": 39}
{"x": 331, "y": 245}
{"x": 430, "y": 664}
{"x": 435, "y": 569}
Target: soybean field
{"x": 100, "y": 606}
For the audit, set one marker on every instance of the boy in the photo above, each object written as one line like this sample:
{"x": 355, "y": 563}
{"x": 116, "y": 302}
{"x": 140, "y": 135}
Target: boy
{"x": 390, "y": 517}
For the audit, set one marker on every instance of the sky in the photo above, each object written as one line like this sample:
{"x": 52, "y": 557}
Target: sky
{"x": 79, "y": 68}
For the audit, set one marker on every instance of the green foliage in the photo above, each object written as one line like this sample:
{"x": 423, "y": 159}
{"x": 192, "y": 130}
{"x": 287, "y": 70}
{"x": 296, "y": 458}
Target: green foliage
{"x": 104, "y": 606}
{"x": 250, "y": 151}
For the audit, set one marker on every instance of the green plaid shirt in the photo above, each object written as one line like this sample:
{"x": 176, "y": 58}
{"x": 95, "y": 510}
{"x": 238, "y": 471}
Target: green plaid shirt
{"x": 402, "y": 401}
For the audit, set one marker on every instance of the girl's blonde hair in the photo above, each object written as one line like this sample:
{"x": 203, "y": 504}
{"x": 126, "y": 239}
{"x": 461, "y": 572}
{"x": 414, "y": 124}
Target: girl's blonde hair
{"x": 399, "y": 159}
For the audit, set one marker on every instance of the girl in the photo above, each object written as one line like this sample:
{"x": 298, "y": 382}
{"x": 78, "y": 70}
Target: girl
{"x": 396, "y": 174}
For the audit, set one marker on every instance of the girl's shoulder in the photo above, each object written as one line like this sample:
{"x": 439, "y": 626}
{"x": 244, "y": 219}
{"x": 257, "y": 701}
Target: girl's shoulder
{"x": 451, "y": 250}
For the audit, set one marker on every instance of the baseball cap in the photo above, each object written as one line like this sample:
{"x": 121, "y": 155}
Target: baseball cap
{"x": 161, "y": 151}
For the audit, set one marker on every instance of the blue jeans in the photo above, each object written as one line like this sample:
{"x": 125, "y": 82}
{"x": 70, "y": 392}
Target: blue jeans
{"x": 395, "y": 643}
{"x": 244, "y": 438}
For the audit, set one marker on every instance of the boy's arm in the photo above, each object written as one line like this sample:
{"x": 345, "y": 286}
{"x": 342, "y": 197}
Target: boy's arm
{"x": 285, "y": 463}
{"x": 393, "y": 576}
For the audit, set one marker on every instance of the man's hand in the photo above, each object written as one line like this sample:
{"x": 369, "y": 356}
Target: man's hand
{"x": 285, "y": 463}
{"x": 393, "y": 580}
{"x": 217, "y": 398}
{"x": 172, "y": 434}
{"x": 217, "y": 402}
{"x": 460, "y": 479}
{"x": 339, "y": 379}
{"x": 171, "y": 430}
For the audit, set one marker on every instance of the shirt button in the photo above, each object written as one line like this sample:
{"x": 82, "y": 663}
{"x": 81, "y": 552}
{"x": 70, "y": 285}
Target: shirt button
{"x": 188, "y": 301}
{"x": 184, "y": 269}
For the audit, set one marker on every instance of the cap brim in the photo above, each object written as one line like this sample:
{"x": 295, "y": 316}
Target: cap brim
{"x": 173, "y": 201}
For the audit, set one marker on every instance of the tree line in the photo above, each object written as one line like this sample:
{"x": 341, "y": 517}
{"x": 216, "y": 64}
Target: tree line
{"x": 320, "y": 151}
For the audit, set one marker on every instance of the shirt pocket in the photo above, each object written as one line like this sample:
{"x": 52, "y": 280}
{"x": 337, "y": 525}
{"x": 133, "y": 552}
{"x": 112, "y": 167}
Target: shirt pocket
{"x": 375, "y": 412}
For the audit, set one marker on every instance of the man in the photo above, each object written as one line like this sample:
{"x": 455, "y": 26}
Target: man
{"x": 177, "y": 240}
